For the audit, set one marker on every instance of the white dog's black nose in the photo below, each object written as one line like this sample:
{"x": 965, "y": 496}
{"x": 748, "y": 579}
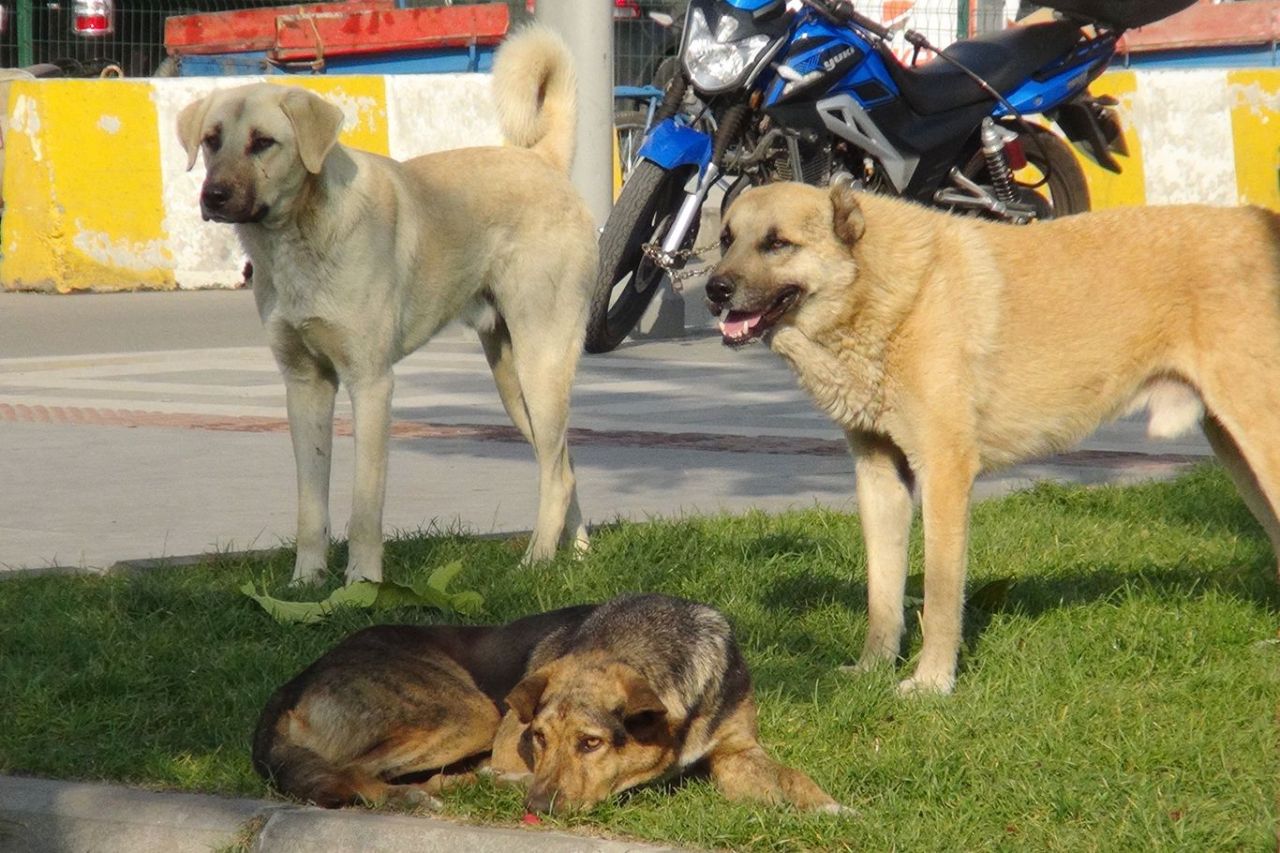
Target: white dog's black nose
{"x": 215, "y": 196}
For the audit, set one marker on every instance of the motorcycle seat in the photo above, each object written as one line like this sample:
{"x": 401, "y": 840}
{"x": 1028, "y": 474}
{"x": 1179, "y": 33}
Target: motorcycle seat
{"x": 1005, "y": 59}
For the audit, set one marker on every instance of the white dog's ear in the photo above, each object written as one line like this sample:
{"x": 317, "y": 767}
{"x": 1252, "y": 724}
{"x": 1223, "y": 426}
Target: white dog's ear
{"x": 190, "y": 124}
{"x": 846, "y": 214}
{"x": 316, "y": 124}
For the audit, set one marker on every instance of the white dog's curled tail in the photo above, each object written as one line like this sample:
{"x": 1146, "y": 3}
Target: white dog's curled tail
{"x": 535, "y": 89}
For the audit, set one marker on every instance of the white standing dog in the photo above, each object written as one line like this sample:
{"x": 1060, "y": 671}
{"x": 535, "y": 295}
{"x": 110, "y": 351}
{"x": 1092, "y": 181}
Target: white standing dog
{"x": 358, "y": 260}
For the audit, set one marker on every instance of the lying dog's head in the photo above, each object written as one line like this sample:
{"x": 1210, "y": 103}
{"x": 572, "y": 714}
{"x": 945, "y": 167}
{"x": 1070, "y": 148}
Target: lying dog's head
{"x": 780, "y": 246}
{"x": 260, "y": 143}
{"x": 594, "y": 727}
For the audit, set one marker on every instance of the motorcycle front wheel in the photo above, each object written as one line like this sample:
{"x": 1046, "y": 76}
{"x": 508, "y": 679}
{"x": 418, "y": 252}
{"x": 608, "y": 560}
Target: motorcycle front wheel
{"x": 1065, "y": 192}
{"x": 626, "y": 280}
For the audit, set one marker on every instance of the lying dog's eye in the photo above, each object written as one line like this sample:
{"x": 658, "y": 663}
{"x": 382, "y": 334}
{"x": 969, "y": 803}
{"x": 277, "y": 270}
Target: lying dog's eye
{"x": 540, "y": 739}
{"x": 589, "y": 744}
{"x": 774, "y": 243}
{"x": 726, "y": 239}
{"x": 260, "y": 143}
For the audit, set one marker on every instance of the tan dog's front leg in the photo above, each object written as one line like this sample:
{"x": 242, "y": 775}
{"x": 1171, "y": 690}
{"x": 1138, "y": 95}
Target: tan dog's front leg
{"x": 885, "y": 506}
{"x": 310, "y": 389}
{"x": 371, "y": 411}
{"x": 946, "y": 486}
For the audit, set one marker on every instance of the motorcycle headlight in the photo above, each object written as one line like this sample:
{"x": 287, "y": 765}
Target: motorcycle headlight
{"x": 715, "y": 61}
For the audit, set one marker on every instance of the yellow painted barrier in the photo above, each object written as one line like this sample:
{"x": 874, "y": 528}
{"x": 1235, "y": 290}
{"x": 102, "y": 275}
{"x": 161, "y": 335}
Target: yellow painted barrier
{"x": 96, "y": 192}
{"x": 1107, "y": 189}
{"x": 97, "y": 196}
{"x": 1255, "y": 120}
{"x": 82, "y": 197}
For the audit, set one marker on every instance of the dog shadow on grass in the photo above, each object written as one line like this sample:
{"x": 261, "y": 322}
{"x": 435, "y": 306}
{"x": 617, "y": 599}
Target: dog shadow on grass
{"x": 787, "y": 599}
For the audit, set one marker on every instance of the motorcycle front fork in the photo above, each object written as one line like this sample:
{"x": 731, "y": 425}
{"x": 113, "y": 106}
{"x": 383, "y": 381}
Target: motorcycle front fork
{"x": 689, "y": 211}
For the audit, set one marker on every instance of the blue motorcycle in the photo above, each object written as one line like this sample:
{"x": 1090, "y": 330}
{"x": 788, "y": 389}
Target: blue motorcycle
{"x": 781, "y": 90}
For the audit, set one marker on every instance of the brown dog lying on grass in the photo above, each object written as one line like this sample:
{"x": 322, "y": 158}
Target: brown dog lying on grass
{"x": 601, "y": 698}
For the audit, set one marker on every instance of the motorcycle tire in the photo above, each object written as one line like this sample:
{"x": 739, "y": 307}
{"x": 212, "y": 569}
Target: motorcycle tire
{"x": 1066, "y": 192}
{"x": 626, "y": 281}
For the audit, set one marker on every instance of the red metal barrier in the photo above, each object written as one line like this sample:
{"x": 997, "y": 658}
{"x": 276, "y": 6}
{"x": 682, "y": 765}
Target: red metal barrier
{"x": 312, "y": 31}
{"x": 1209, "y": 25}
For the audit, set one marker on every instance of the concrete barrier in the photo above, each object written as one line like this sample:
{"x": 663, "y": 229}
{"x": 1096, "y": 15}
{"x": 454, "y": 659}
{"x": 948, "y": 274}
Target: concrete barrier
{"x": 97, "y": 196}
{"x": 1198, "y": 135}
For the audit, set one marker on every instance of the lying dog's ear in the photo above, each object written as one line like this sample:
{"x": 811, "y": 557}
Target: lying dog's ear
{"x": 846, "y": 214}
{"x": 641, "y": 698}
{"x": 190, "y": 123}
{"x": 525, "y": 696}
{"x": 316, "y": 124}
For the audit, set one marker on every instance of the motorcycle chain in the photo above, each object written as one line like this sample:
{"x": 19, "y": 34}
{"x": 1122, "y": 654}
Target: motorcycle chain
{"x": 672, "y": 263}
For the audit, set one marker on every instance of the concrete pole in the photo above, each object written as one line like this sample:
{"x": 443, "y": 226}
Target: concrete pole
{"x": 587, "y": 27}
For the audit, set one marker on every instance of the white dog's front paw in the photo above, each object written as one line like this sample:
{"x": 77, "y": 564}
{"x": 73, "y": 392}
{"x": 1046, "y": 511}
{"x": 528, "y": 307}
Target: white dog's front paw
{"x": 357, "y": 573}
{"x": 539, "y": 551}
{"x": 308, "y": 570}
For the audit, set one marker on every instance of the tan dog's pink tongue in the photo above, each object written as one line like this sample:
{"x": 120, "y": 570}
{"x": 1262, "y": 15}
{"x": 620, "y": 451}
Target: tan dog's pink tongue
{"x": 738, "y": 324}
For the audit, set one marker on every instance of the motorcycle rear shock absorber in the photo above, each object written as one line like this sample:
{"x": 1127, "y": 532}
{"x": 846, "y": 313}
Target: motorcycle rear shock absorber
{"x": 993, "y": 139}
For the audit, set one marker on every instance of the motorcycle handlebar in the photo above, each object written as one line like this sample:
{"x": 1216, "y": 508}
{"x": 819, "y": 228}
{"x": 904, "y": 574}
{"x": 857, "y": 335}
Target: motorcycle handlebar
{"x": 839, "y": 12}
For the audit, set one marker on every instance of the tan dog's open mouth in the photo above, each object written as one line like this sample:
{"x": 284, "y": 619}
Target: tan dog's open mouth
{"x": 742, "y": 327}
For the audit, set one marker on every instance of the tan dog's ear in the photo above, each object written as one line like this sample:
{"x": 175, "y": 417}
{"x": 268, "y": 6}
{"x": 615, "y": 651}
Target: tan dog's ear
{"x": 190, "y": 124}
{"x": 641, "y": 698}
{"x": 524, "y": 697}
{"x": 846, "y": 214}
{"x": 316, "y": 124}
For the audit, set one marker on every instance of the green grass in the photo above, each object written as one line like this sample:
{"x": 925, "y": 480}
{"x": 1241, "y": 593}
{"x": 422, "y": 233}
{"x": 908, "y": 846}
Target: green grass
{"x": 1122, "y": 696}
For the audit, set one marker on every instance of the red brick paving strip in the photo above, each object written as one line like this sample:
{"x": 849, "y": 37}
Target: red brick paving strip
{"x": 485, "y": 432}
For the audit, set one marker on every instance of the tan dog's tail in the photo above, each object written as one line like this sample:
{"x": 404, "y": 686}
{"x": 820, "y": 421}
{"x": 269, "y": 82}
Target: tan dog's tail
{"x": 535, "y": 88}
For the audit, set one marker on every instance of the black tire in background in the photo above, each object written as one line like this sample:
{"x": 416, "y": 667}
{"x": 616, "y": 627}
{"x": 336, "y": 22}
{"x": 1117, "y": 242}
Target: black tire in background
{"x": 1066, "y": 192}
{"x": 630, "y": 127}
{"x": 626, "y": 281}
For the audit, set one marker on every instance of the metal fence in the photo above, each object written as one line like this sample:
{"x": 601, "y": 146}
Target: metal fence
{"x": 44, "y": 30}
{"x": 640, "y": 42}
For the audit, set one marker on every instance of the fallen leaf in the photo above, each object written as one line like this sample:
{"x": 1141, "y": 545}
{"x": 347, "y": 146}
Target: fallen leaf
{"x": 385, "y": 595}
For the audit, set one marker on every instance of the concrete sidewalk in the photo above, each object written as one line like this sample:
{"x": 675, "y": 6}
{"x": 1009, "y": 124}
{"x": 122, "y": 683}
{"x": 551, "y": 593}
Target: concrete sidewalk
{"x": 139, "y": 426}
{"x": 42, "y": 816}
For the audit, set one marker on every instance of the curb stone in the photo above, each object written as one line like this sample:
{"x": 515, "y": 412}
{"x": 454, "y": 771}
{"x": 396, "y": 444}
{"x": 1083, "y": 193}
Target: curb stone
{"x": 49, "y": 816}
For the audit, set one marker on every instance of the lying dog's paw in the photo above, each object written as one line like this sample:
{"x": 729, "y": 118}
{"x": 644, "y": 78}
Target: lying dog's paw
{"x": 412, "y": 797}
{"x": 505, "y": 778}
{"x": 837, "y": 810}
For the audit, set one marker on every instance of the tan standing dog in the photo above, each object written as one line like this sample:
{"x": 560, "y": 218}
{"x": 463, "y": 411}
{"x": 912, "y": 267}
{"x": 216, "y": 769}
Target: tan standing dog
{"x": 358, "y": 260}
{"x": 947, "y": 346}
